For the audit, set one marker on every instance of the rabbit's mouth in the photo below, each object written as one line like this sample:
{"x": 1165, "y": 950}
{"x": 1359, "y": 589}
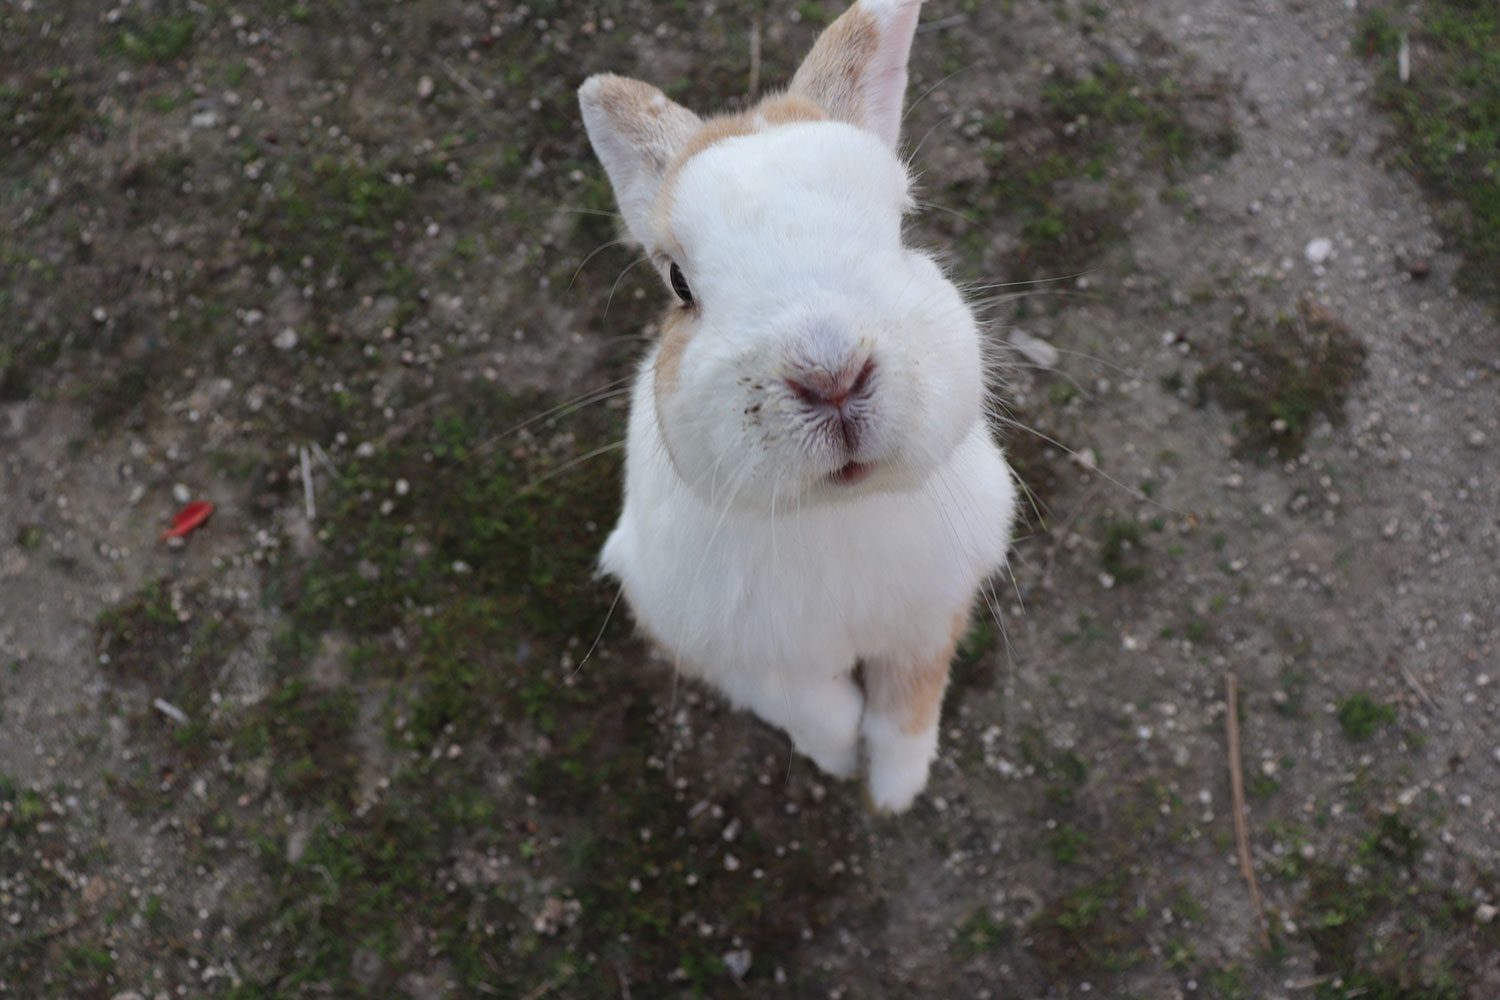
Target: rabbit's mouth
{"x": 851, "y": 474}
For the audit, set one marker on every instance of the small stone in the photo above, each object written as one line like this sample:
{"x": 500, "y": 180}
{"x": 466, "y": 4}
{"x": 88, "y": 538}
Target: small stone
{"x": 1034, "y": 349}
{"x": 425, "y": 87}
{"x": 296, "y": 845}
{"x": 1419, "y": 268}
{"x": 207, "y": 118}
{"x": 402, "y": 487}
{"x": 1485, "y": 913}
{"x": 737, "y": 963}
{"x": 181, "y": 493}
{"x": 100, "y": 315}
{"x": 285, "y": 340}
{"x": 555, "y": 915}
{"x": 1319, "y": 250}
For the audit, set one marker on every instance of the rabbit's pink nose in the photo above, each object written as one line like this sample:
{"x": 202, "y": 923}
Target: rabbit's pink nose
{"x": 819, "y": 388}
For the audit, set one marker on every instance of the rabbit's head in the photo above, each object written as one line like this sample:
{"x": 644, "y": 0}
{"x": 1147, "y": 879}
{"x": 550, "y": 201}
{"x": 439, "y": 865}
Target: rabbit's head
{"x": 810, "y": 353}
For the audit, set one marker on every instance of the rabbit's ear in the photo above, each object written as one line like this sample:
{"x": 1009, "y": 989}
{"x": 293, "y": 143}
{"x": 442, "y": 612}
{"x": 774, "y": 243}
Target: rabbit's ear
{"x": 636, "y": 132}
{"x": 857, "y": 70}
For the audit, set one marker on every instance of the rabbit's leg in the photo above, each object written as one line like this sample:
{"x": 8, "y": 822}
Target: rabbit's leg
{"x": 820, "y": 712}
{"x": 904, "y": 700}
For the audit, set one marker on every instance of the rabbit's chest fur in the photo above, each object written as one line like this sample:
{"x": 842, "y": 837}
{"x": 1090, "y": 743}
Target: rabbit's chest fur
{"x": 809, "y": 589}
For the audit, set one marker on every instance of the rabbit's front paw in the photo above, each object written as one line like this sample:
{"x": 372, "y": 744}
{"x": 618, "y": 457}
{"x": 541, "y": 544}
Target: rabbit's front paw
{"x": 829, "y": 735}
{"x": 899, "y": 763}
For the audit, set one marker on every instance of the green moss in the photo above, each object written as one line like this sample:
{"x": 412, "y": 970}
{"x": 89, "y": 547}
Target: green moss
{"x": 1054, "y": 173}
{"x": 1378, "y": 928}
{"x": 157, "y": 40}
{"x": 1091, "y": 928}
{"x": 38, "y": 113}
{"x": 1360, "y": 716}
{"x": 1123, "y": 550}
{"x": 1067, "y": 844}
{"x": 980, "y": 933}
{"x": 1448, "y": 115}
{"x": 337, "y": 214}
{"x": 1284, "y": 377}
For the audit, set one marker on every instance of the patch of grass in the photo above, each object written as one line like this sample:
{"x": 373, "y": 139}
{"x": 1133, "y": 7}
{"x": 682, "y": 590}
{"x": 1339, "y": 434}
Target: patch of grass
{"x": 1093, "y": 927}
{"x": 334, "y": 214}
{"x": 306, "y": 734}
{"x": 1122, "y": 551}
{"x": 168, "y": 642}
{"x": 1283, "y": 377}
{"x": 1067, "y": 844}
{"x": 1379, "y": 929}
{"x": 157, "y": 40}
{"x": 1064, "y": 771}
{"x": 1448, "y": 115}
{"x": 468, "y": 593}
{"x": 39, "y": 112}
{"x": 1114, "y": 96}
{"x": 1053, "y": 169}
{"x": 980, "y": 933}
{"x": 474, "y": 544}
{"x": 1360, "y": 716}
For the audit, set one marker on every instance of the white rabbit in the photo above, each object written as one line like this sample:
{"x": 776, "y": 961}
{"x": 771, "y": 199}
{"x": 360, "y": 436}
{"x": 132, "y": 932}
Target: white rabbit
{"x": 810, "y": 483}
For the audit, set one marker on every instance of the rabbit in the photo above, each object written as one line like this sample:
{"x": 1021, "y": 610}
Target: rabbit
{"x": 813, "y": 499}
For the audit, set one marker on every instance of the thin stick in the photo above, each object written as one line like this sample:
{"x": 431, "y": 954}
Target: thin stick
{"x": 459, "y": 79}
{"x": 1237, "y": 794}
{"x": 309, "y": 499}
{"x": 1416, "y": 685}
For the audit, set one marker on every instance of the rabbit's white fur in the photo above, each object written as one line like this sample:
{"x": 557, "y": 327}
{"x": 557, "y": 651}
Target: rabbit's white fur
{"x": 773, "y": 536}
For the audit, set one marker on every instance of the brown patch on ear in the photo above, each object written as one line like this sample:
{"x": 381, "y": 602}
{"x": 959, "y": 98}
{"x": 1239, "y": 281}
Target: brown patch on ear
{"x": 910, "y": 692}
{"x": 640, "y": 113}
{"x": 831, "y": 75}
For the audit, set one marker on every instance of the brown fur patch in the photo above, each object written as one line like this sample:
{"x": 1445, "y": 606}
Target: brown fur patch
{"x": 831, "y": 74}
{"x": 773, "y": 110}
{"x": 911, "y": 691}
{"x": 641, "y": 114}
{"x": 787, "y": 109}
{"x": 676, "y": 330}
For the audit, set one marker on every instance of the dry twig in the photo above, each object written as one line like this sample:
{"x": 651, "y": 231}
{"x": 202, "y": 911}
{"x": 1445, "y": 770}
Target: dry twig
{"x": 1237, "y": 795}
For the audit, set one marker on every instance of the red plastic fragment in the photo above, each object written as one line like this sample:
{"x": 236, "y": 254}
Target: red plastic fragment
{"x": 189, "y": 519}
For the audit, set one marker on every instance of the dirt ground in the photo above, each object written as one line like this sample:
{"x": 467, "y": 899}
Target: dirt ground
{"x": 344, "y": 269}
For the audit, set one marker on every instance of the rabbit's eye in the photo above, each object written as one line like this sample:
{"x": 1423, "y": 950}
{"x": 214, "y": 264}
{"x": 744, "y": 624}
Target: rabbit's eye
{"x": 680, "y": 285}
